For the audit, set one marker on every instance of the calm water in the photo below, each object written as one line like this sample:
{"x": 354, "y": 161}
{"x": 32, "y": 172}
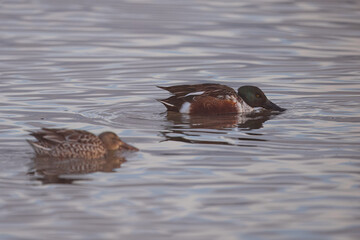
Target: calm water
{"x": 94, "y": 65}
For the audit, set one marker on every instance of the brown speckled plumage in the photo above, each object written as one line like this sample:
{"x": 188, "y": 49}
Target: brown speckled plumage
{"x": 68, "y": 143}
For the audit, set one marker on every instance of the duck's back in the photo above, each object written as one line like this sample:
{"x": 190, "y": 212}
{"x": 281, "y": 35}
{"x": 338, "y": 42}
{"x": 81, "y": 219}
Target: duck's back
{"x": 206, "y": 88}
{"x": 66, "y": 143}
{"x": 202, "y": 99}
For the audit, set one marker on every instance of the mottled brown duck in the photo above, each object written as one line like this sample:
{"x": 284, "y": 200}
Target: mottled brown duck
{"x": 69, "y": 143}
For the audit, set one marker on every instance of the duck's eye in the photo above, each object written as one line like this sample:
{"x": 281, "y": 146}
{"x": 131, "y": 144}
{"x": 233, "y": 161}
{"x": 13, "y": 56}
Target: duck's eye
{"x": 257, "y": 95}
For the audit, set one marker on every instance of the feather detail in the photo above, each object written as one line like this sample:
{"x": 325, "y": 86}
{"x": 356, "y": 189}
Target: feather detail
{"x": 202, "y": 99}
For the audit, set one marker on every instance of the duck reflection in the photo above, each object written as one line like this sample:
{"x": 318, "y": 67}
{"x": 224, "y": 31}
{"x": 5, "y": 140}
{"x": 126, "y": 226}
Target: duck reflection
{"x": 250, "y": 121}
{"x": 57, "y": 170}
{"x": 60, "y": 151}
{"x": 66, "y": 171}
{"x": 211, "y": 129}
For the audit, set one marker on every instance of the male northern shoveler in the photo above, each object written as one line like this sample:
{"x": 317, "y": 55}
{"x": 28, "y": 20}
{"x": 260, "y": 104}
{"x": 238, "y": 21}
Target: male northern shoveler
{"x": 68, "y": 143}
{"x": 216, "y": 99}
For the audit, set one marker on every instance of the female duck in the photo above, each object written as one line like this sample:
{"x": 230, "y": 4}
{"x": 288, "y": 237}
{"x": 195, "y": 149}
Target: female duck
{"x": 68, "y": 143}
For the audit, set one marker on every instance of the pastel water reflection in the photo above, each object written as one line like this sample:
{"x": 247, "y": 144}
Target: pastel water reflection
{"x": 95, "y": 65}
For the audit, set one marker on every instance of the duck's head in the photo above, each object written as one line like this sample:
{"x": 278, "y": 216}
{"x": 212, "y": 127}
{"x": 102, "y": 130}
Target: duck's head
{"x": 254, "y": 97}
{"x": 112, "y": 142}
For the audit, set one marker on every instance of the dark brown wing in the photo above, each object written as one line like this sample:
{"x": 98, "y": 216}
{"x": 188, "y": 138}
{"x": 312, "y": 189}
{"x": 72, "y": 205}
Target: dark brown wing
{"x": 183, "y": 90}
{"x": 53, "y": 136}
{"x": 172, "y": 103}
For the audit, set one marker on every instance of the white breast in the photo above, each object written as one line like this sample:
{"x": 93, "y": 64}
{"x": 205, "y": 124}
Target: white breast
{"x": 243, "y": 107}
{"x": 185, "y": 108}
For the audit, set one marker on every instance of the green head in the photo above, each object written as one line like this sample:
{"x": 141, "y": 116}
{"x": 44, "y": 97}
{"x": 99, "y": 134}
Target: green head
{"x": 254, "y": 97}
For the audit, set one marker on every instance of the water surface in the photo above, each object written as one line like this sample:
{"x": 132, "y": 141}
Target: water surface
{"x": 95, "y": 65}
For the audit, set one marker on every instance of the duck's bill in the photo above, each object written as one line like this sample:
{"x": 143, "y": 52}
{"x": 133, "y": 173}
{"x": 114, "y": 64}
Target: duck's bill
{"x": 128, "y": 147}
{"x": 272, "y": 106}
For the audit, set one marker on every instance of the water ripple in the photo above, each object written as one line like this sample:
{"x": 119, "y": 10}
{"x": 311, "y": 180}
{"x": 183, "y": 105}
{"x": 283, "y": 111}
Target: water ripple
{"x": 95, "y": 66}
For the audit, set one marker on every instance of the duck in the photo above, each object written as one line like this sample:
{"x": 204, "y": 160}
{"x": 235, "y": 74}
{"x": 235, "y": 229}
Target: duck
{"x": 216, "y": 99}
{"x": 70, "y": 143}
